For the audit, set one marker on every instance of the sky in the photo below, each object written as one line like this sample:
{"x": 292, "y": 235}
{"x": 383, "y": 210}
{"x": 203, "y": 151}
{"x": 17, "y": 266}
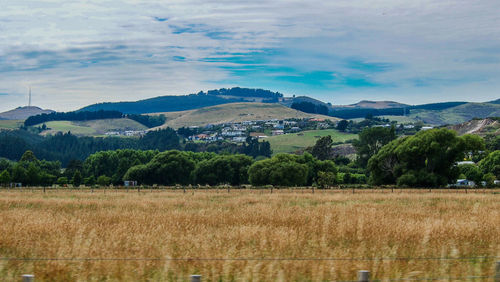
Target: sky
{"x": 76, "y": 53}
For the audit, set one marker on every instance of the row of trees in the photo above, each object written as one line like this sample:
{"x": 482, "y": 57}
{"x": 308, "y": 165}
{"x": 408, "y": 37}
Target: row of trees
{"x": 72, "y": 116}
{"x": 171, "y": 168}
{"x": 66, "y": 147}
{"x": 147, "y": 120}
{"x": 309, "y": 107}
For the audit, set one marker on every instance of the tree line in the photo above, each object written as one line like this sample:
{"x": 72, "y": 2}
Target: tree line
{"x": 146, "y": 120}
{"x": 427, "y": 159}
{"x": 171, "y": 167}
{"x": 309, "y": 107}
{"x": 64, "y": 147}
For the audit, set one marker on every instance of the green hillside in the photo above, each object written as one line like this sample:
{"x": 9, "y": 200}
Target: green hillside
{"x": 10, "y": 124}
{"x": 188, "y": 102}
{"x": 93, "y": 127}
{"x": 458, "y": 114}
{"x": 292, "y": 142}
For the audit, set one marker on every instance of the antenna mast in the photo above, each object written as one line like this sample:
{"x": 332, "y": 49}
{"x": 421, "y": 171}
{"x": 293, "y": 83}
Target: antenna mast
{"x": 29, "y": 102}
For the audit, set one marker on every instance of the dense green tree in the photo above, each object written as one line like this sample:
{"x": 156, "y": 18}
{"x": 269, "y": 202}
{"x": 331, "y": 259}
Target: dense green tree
{"x": 28, "y": 156}
{"x": 471, "y": 172}
{"x": 326, "y": 179}
{"x": 168, "y": 168}
{"x": 115, "y": 163}
{"x": 19, "y": 174}
{"x": 342, "y": 125}
{"x": 103, "y": 180}
{"x": 493, "y": 142}
{"x": 63, "y": 180}
{"x": 162, "y": 139}
{"x": 46, "y": 179}
{"x": 77, "y": 178}
{"x": 252, "y": 147}
{"x": 265, "y": 149}
{"x": 323, "y": 148}
{"x": 32, "y": 175}
{"x": 5, "y": 164}
{"x": 289, "y": 170}
{"x": 223, "y": 169}
{"x": 370, "y": 141}
{"x": 425, "y": 159}
{"x": 491, "y": 164}
{"x": 72, "y": 167}
{"x": 89, "y": 180}
{"x": 5, "y": 178}
{"x": 489, "y": 178}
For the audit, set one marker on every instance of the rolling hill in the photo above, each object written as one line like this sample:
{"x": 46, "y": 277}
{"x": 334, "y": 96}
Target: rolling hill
{"x": 377, "y": 105}
{"x": 235, "y": 112}
{"x": 92, "y": 127}
{"x": 189, "y": 102}
{"x": 22, "y": 113}
{"x": 457, "y": 114}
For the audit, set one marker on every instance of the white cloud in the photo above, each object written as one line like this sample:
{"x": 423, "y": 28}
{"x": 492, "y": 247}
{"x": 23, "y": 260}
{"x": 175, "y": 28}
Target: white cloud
{"x": 77, "y": 53}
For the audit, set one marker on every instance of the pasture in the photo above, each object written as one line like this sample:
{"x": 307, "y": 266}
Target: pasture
{"x": 92, "y": 127}
{"x": 292, "y": 142}
{"x": 234, "y": 112}
{"x": 247, "y": 235}
{"x": 10, "y": 124}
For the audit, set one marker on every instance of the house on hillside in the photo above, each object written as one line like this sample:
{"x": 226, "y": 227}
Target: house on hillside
{"x": 259, "y": 135}
{"x": 239, "y": 139}
{"x": 277, "y": 132}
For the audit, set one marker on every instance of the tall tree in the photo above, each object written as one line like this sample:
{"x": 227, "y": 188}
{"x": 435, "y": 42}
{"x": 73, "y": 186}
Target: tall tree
{"x": 323, "y": 148}
{"x": 425, "y": 159}
{"x": 370, "y": 141}
{"x": 77, "y": 178}
{"x": 5, "y": 177}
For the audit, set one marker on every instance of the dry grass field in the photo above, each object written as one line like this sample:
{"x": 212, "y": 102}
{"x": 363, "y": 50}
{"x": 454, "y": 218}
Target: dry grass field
{"x": 247, "y": 224}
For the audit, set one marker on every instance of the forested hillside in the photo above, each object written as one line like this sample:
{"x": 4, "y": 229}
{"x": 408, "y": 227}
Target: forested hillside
{"x": 189, "y": 102}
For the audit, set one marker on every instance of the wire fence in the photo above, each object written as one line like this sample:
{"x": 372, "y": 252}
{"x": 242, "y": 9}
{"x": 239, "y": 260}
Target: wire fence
{"x": 251, "y": 259}
{"x": 361, "y": 278}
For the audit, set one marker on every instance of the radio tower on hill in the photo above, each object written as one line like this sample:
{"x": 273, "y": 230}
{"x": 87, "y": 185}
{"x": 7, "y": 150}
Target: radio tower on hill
{"x": 29, "y": 101}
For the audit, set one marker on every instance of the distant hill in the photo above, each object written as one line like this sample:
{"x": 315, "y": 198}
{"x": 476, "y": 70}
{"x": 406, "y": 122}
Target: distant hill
{"x": 478, "y": 126}
{"x": 189, "y": 102}
{"x": 377, "y": 105}
{"x": 22, "y": 113}
{"x": 457, "y": 114}
{"x": 235, "y": 112}
{"x": 433, "y": 113}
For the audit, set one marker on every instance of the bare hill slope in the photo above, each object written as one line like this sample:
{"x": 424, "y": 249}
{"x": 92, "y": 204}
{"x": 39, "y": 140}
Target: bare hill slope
{"x": 23, "y": 113}
{"x": 235, "y": 112}
{"x": 478, "y": 126}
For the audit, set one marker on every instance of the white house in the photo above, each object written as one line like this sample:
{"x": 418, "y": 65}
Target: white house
{"x": 465, "y": 183}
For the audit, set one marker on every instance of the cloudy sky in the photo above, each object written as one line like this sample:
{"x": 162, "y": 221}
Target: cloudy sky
{"x": 74, "y": 53}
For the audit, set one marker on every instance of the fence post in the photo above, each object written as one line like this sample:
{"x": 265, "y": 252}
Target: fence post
{"x": 195, "y": 278}
{"x": 363, "y": 276}
{"x": 28, "y": 278}
{"x": 497, "y": 272}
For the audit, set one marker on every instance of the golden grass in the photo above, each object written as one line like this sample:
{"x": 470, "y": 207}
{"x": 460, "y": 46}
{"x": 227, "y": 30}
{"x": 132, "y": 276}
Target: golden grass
{"x": 246, "y": 224}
